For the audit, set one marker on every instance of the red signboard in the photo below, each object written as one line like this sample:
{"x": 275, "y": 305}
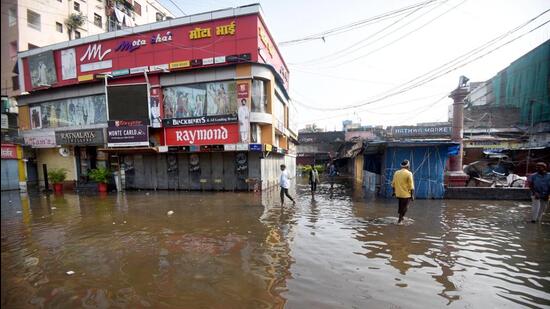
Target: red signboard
{"x": 203, "y": 135}
{"x": 9, "y": 152}
{"x": 242, "y": 90}
{"x": 207, "y": 43}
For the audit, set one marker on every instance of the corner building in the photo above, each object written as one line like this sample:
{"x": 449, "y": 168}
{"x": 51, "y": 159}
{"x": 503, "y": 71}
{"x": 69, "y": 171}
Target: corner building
{"x": 194, "y": 103}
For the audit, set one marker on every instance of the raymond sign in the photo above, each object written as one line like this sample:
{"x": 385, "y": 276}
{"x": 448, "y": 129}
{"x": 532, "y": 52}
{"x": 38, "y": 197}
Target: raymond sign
{"x": 9, "y": 152}
{"x": 203, "y": 135}
{"x": 127, "y": 133}
{"x": 411, "y": 131}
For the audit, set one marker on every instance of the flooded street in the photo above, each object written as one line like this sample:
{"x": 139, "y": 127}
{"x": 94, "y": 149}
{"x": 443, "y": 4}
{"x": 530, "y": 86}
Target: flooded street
{"x": 242, "y": 250}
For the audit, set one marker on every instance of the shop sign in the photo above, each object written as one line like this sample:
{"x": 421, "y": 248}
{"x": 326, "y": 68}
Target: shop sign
{"x": 127, "y": 134}
{"x": 207, "y": 61}
{"x": 116, "y": 73}
{"x": 202, "y": 135}
{"x": 222, "y": 30}
{"x": 41, "y": 141}
{"x": 9, "y": 152}
{"x": 255, "y": 147}
{"x": 242, "y": 90}
{"x": 158, "y": 67}
{"x": 85, "y": 78}
{"x": 139, "y": 70}
{"x": 242, "y": 147}
{"x": 194, "y": 148}
{"x": 268, "y": 147}
{"x": 421, "y": 131}
{"x": 230, "y": 147}
{"x": 180, "y": 64}
{"x": 220, "y": 59}
{"x": 177, "y": 122}
{"x": 80, "y": 137}
{"x": 5, "y": 123}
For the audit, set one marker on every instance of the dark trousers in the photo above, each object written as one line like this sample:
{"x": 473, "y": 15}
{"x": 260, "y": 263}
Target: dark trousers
{"x": 403, "y": 207}
{"x": 313, "y": 186}
{"x": 283, "y": 193}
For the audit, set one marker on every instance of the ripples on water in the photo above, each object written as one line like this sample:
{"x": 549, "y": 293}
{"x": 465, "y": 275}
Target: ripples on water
{"x": 340, "y": 249}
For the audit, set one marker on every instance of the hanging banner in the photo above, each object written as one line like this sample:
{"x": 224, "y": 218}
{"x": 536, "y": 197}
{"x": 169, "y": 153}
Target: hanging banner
{"x": 202, "y": 135}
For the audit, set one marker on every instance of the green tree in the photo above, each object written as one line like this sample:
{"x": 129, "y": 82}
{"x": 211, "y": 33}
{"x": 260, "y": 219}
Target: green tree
{"x": 73, "y": 22}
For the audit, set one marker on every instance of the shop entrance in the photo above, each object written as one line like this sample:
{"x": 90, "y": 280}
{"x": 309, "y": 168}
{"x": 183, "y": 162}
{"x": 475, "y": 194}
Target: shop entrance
{"x": 86, "y": 160}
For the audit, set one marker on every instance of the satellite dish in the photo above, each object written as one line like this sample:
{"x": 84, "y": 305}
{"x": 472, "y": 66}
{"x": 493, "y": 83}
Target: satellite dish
{"x": 64, "y": 152}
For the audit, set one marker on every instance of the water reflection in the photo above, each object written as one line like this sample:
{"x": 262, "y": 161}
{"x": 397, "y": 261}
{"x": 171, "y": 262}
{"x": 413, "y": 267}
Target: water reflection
{"x": 336, "y": 249}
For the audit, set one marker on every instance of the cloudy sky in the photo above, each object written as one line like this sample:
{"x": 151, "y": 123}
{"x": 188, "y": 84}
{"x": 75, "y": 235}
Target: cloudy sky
{"x": 360, "y": 69}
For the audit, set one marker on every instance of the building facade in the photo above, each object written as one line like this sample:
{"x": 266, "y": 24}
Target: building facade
{"x": 28, "y": 24}
{"x": 194, "y": 103}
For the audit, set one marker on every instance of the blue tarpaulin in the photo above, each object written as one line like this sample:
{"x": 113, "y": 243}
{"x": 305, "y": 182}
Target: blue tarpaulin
{"x": 427, "y": 165}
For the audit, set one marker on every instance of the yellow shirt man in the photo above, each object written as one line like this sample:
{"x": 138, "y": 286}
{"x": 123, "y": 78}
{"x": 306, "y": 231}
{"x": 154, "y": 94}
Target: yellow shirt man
{"x": 403, "y": 183}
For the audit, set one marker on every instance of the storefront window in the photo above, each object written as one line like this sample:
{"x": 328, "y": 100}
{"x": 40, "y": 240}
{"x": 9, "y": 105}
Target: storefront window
{"x": 205, "y": 99}
{"x": 69, "y": 112}
{"x": 259, "y": 98}
{"x": 279, "y": 113}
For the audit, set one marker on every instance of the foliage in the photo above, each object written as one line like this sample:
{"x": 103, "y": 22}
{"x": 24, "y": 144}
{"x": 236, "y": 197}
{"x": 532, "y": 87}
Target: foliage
{"x": 57, "y": 175}
{"x": 305, "y": 169}
{"x": 73, "y": 22}
{"x": 100, "y": 175}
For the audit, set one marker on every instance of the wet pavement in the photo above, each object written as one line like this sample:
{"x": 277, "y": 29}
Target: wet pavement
{"x": 341, "y": 249}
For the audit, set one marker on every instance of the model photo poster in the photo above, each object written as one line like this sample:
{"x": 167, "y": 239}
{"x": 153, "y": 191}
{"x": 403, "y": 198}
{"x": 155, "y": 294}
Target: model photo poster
{"x": 221, "y": 98}
{"x": 36, "y": 117}
{"x": 68, "y": 64}
{"x": 42, "y": 69}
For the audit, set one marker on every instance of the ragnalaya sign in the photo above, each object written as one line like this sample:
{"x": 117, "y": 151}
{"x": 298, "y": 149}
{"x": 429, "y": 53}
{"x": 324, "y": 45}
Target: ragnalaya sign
{"x": 80, "y": 137}
{"x": 203, "y": 135}
{"x": 176, "y": 122}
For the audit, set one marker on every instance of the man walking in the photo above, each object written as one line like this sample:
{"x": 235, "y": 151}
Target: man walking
{"x": 539, "y": 183}
{"x": 313, "y": 179}
{"x": 284, "y": 182}
{"x": 403, "y": 188}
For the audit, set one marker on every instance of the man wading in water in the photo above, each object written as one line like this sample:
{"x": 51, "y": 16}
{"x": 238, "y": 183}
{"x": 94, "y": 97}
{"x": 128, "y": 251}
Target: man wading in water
{"x": 539, "y": 183}
{"x": 284, "y": 182}
{"x": 403, "y": 188}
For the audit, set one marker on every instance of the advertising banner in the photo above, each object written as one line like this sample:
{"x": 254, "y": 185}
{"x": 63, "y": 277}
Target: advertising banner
{"x": 127, "y": 134}
{"x": 202, "y": 135}
{"x": 42, "y": 70}
{"x": 176, "y": 122}
{"x": 87, "y": 137}
{"x": 69, "y": 112}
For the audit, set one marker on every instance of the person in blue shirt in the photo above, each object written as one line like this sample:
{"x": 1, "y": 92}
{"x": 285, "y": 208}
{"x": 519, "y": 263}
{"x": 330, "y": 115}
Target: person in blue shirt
{"x": 332, "y": 172}
{"x": 539, "y": 183}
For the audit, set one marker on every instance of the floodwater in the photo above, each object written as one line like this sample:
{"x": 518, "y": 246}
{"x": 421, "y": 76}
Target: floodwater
{"x": 242, "y": 250}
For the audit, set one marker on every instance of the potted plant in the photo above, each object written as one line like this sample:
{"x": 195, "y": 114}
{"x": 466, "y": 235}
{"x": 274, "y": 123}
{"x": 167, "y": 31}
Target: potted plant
{"x": 57, "y": 177}
{"x": 101, "y": 176}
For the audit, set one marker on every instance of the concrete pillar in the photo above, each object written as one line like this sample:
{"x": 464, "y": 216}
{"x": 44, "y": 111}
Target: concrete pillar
{"x": 455, "y": 177}
{"x": 458, "y": 96}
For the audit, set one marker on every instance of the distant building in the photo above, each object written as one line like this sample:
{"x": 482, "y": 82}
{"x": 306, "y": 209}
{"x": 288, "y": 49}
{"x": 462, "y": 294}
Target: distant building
{"x": 510, "y": 112}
